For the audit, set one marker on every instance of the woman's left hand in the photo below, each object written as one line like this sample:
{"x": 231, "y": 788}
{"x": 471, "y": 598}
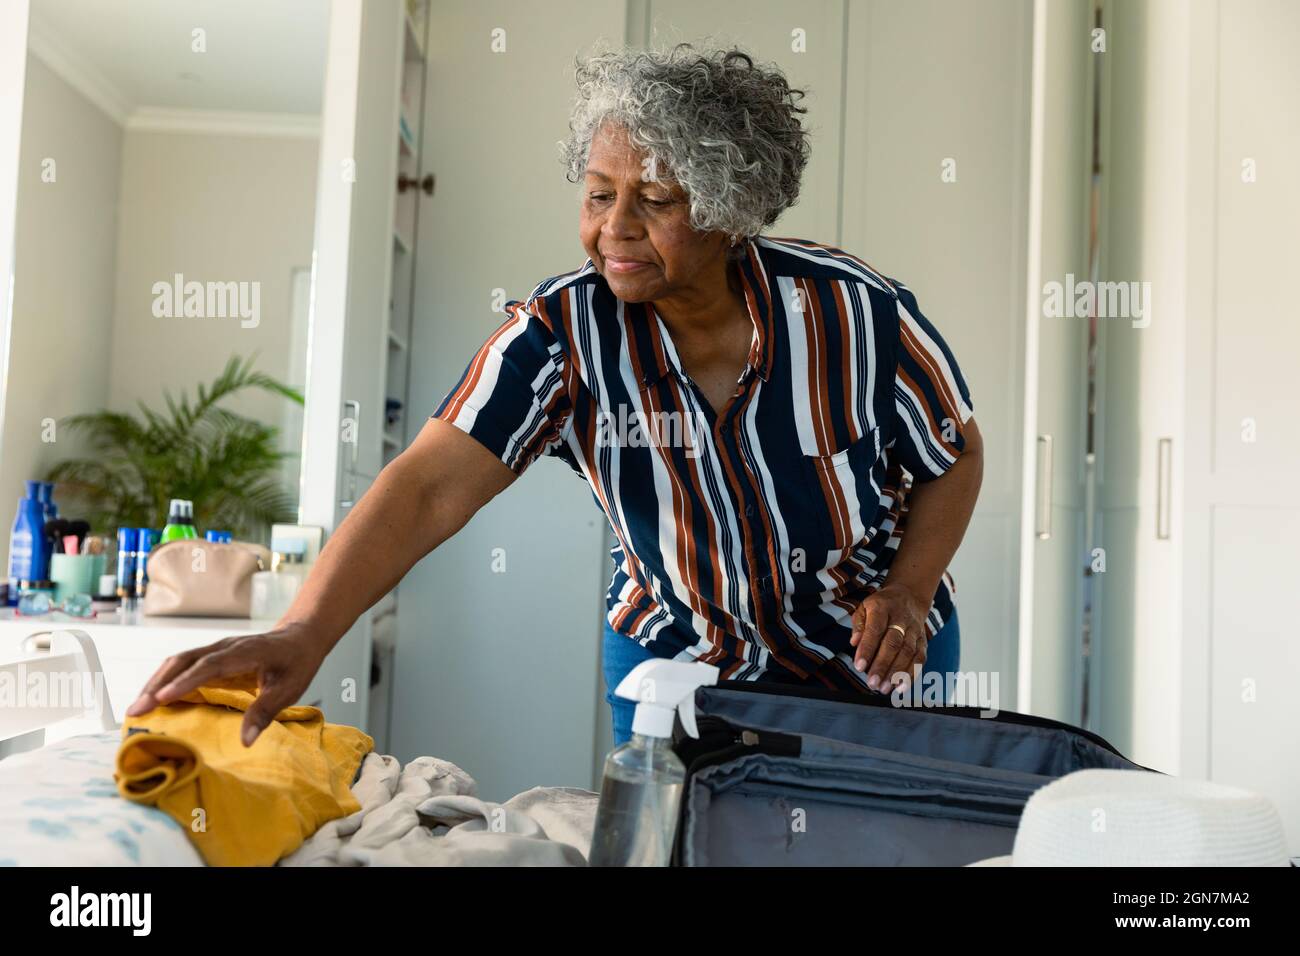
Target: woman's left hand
{"x": 890, "y": 635}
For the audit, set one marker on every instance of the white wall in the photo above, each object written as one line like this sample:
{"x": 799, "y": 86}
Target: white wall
{"x": 13, "y": 72}
{"x": 128, "y": 211}
{"x": 213, "y": 208}
{"x": 64, "y": 275}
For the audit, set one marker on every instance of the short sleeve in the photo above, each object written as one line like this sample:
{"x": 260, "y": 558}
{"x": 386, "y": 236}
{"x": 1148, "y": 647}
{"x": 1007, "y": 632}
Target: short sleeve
{"x": 511, "y": 397}
{"x": 931, "y": 400}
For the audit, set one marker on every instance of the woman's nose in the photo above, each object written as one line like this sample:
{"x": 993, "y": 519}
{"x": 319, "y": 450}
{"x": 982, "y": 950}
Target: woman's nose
{"x": 623, "y": 221}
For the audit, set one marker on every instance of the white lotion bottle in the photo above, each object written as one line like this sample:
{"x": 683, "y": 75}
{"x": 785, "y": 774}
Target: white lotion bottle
{"x": 636, "y": 819}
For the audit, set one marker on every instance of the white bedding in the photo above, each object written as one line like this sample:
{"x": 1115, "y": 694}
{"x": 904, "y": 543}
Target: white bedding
{"x": 59, "y": 806}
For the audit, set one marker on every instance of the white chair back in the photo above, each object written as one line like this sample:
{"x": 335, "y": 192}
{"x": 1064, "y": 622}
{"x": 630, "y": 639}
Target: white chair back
{"x": 51, "y": 676}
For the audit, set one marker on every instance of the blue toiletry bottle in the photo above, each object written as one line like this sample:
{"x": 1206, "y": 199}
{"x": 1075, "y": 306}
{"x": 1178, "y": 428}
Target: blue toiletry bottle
{"x": 29, "y": 551}
{"x": 46, "y": 493}
{"x": 127, "y": 546}
{"x": 146, "y": 538}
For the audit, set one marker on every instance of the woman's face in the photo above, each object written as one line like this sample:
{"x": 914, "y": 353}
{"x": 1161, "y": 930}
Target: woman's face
{"x": 636, "y": 228}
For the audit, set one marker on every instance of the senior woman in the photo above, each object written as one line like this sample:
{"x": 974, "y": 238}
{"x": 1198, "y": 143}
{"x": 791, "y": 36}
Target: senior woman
{"x": 782, "y": 443}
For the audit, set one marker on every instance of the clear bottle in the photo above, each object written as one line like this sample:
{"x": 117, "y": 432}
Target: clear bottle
{"x": 641, "y": 791}
{"x": 274, "y": 590}
{"x": 636, "y": 818}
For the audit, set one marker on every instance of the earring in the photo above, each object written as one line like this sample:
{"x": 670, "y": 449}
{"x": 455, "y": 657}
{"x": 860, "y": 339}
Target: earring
{"x": 733, "y": 238}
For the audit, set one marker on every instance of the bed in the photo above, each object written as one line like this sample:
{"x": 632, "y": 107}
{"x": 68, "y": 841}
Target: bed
{"x": 59, "y": 804}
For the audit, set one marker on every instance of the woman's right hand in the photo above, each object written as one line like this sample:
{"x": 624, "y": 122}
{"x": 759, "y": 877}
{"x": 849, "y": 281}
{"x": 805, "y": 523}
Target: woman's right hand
{"x": 284, "y": 660}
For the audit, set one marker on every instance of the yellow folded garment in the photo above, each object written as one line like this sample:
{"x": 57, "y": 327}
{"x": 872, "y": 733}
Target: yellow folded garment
{"x": 242, "y": 806}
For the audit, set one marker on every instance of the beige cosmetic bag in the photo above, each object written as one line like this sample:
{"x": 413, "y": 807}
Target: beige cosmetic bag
{"x": 194, "y": 578}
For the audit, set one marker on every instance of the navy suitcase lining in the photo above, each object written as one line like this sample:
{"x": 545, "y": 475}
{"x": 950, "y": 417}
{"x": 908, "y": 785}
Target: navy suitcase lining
{"x": 875, "y": 784}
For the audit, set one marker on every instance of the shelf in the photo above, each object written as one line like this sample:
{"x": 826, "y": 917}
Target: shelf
{"x": 401, "y": 242}
{"x": 391, "y": 441}
{"x": 405, "y": 138}
{"x": 395, "y": 341}
{"x": 414, "y": 51}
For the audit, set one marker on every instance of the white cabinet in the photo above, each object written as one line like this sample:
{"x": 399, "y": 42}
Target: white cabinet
{"x": 1245, "y": 489}
{"x": 1200, "y": 467}
{"x": 1055, "y": 440}
{"x": 919, "y": 99}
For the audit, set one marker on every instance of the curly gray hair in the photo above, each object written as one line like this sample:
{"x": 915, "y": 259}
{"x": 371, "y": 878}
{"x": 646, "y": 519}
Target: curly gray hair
{"x": 725, "y": 129}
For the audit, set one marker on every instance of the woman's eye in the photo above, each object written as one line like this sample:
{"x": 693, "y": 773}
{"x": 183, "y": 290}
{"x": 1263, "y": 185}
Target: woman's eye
{"x": 605, "y": 197}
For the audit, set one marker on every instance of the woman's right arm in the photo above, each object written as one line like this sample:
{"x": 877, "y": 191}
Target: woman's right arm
{"x": 419, "y": 500}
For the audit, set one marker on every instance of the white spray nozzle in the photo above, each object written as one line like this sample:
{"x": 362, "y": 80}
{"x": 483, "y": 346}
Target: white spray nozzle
{"x": 662, "y": 687}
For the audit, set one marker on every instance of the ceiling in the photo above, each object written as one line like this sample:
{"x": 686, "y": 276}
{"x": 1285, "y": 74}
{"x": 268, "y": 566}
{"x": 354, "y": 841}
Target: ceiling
{"x": 262, "y": 56}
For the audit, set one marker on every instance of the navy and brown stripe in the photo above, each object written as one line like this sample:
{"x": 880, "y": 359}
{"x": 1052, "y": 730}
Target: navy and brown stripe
{"x": 745, "y": 537}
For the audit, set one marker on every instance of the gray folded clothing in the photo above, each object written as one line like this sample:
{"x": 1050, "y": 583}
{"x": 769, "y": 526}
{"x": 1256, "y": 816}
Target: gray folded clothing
{"x": 427, "y": 814}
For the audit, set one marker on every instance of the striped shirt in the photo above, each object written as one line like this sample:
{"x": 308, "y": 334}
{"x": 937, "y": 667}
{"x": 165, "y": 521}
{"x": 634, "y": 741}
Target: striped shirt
{"x": 748, "y": 536}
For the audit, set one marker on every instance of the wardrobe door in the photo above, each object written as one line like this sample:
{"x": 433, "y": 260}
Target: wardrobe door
{"x": 1052, "y": 529}
{"x": 1249, "y": 374}
{"x": 935, "y": 156}
{"x": 1138, "y": 637}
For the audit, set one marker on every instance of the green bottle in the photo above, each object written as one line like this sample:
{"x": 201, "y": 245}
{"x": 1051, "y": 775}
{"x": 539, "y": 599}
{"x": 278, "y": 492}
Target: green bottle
{"x": 180, "y": 521}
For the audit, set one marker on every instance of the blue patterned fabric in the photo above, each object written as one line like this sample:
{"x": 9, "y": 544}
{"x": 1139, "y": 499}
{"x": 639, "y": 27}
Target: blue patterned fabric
{"x": 59, "y": 806}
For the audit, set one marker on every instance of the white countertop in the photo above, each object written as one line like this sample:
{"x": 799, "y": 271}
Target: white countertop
{"x": 119, "y": 619}
{"x": 130, "y": 647}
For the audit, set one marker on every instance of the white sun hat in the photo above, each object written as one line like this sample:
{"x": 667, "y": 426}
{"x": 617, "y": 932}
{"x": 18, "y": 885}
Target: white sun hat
{"x": 1142, "y": 818}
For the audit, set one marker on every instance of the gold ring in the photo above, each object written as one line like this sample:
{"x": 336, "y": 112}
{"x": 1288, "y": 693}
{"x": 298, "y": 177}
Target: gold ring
{"x": 901, "y": 630}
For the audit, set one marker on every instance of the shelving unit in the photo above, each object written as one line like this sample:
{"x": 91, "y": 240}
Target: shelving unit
{"x": 415, "y": 32}
{"x": 397, "y": 364}
{"x": 405, "y": 223}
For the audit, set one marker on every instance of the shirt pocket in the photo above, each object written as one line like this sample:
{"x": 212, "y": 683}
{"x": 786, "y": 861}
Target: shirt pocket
{"x": 845, "y": 489}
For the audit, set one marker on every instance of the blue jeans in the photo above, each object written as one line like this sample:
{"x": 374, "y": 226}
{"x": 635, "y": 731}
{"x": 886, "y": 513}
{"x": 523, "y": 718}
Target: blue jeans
{"x": 620, "y": 654}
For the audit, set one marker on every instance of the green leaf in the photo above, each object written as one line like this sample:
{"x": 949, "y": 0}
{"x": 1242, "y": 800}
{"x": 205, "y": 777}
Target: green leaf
{"x": 226, "y": 463}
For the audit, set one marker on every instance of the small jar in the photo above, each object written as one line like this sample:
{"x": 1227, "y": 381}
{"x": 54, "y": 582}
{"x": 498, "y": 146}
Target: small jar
{"x": 274, "y": 590}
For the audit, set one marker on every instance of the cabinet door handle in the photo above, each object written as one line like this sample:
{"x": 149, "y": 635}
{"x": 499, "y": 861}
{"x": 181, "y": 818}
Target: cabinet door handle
{"x": 1164, "y": 487}
{"x": 1043, "y": 511}
{"x": 349, "y": 473}
{"x": 356, "y": 426}
{"x": 424, "y": 183}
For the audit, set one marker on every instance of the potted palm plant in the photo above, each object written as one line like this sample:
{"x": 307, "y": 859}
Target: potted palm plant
{"x": 227, "y": 464}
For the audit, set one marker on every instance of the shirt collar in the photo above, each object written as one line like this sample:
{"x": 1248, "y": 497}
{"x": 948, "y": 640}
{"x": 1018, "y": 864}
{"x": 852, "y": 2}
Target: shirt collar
{"x": 654, "y": 355}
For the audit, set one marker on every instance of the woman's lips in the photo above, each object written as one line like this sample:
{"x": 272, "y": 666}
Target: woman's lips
{"x": 615, "y": 264}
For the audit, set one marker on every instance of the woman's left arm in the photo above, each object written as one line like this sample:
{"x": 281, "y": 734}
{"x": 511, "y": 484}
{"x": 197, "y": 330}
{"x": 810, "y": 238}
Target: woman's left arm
{"x": 938, "y": 513}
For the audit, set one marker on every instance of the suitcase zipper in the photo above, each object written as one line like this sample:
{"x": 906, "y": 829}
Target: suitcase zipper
{"x": 951, "y": 710}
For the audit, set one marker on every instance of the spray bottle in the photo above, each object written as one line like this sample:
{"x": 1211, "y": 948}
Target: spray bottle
{"x": 636, "y": 818}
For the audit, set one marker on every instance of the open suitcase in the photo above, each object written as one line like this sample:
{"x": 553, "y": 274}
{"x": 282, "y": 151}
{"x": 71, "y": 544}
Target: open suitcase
{"x": 793, "y": 776}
